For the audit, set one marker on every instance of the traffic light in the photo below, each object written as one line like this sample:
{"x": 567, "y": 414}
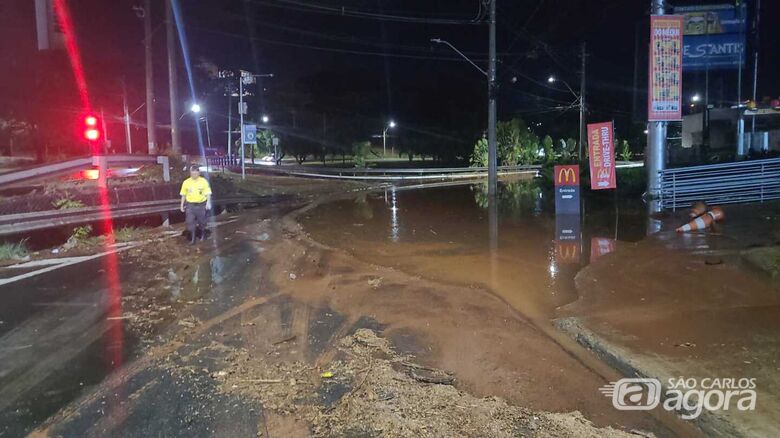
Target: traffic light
{"x": 91, "y": 128}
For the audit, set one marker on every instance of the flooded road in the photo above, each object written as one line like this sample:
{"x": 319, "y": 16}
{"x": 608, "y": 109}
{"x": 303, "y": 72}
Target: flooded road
{"x": 444, "y": 234}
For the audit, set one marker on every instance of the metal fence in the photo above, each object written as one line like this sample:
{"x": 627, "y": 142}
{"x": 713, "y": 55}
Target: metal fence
{"x": 727, "y": 183}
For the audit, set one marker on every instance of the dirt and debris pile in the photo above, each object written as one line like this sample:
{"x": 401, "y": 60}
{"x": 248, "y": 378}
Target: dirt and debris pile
{"x": 379, "y": 392}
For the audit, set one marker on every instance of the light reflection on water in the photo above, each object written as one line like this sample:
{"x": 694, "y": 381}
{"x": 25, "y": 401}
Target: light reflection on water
{"x": 449, "y": 234}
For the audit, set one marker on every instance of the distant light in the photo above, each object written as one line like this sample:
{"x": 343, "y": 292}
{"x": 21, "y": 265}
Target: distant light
{"x": 646, "y": 131}
{"x": 391, "y": 124}
{"x": 551, "y": 79}
{"x": 695, "y": 98}
{"x": 195, "y": 108}
{"x": 266, "y": 119}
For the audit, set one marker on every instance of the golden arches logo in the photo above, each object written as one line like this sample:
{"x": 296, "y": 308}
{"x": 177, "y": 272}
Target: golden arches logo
{"x": 566, "y": 173}
{"x": 568, "y": 252}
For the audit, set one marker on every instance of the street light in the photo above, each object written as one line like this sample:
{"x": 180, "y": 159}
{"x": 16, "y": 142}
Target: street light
{"x": 266, "y": 119}
{"x": 696, "y": 97}
{"x": 390, "y": 125}
{"x": 195, "y": 108}
{"x": 551, "y": 80}
{"x": 492, "y": 112}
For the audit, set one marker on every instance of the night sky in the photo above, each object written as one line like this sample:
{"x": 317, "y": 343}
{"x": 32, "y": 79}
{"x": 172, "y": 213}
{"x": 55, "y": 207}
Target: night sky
{"x": 368, "y": 65}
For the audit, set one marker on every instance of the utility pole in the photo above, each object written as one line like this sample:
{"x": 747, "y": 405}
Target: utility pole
{"x": 755, "y": 65}
{"x": 151, "y": 138}
{"x": 241, "y": 111}
{"x": 582, "y": 140}
{"x": 128, "y": 137}
{"x": 492, "y": 110}
{"x": 230, "y": 122}
{"x": 656, "y": 134}
{"x": 172, "y": 82}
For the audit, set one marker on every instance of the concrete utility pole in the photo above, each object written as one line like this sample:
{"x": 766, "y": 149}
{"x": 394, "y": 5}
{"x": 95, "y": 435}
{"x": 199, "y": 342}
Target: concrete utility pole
{"x": 151, "y": 138}
{"x": 656, "y": 135}
{"x": 492, "y": 109}
{"x": 583, "y": 140}
{"x": 172, "y": 81}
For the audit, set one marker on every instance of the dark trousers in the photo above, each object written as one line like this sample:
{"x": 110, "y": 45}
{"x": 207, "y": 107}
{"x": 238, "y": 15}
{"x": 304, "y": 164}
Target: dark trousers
{"x": 196, "y": 218}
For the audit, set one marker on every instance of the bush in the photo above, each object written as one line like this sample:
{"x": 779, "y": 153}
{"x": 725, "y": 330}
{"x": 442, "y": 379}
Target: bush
{"x": 13, "y": 251}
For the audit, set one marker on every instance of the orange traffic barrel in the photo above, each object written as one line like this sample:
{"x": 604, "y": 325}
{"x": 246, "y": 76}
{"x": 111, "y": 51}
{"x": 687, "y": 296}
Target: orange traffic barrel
{"x": 698, "y": 208}
{"x": 716, "y": 213}
{"x": 700, "y": 223}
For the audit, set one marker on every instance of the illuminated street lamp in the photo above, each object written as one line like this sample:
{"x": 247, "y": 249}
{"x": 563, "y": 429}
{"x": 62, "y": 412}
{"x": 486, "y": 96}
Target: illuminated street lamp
{"x": 265, "y": 119}
{"x": 695, "y": 98}
{"x": 390, "y": 125}
{"x": 195, "y": 108}
{"x": 580, "y": 103}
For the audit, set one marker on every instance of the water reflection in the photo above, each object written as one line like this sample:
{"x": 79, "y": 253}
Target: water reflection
{"x": 515, "y": 246}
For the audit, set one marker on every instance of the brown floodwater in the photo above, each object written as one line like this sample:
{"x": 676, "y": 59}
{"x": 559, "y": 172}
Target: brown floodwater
{"x": 444, "y": 234}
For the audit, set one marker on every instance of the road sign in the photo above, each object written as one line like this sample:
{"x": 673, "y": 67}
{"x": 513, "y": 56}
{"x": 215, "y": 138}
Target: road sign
{"x": 567, "y": 189}
{"x": 250, "y": 134}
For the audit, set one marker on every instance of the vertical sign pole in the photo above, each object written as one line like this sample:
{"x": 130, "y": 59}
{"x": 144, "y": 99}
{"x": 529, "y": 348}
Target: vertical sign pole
{"x": 241, "y": 116}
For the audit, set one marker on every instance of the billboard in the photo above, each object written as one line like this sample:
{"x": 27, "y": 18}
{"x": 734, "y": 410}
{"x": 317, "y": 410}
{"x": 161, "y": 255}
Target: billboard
{"x": 713, "y": 36}
{"x": 664, "y": 101}
{"x": 601, "y": 144}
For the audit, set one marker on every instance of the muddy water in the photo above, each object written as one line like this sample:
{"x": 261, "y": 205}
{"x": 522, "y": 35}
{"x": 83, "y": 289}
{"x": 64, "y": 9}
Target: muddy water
{"x": 444, "y": 234}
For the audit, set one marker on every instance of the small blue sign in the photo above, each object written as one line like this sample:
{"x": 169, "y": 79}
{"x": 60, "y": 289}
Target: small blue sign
{"x": 250, "y": 134}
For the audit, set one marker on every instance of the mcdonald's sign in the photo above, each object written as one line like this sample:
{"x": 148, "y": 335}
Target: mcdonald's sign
{"x": 567, "y": 189}
{"x": 567, "y": 252}
{"x": 566, "y": 175}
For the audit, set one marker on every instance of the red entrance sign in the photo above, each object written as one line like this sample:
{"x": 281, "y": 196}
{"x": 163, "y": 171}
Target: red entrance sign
{"x": 602, "y": 156}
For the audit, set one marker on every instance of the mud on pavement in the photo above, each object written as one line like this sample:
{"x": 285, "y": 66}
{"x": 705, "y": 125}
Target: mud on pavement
{"x": 298, "y": 339}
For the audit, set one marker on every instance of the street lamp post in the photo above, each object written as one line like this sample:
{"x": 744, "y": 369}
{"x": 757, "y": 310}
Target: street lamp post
{"x": 384, "y": 137}
{"x": 492, "y": 110}
{"x": 245, "y": 78}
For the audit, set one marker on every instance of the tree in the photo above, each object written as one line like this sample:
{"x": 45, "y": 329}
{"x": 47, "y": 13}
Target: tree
{"x": 360, "y": 151}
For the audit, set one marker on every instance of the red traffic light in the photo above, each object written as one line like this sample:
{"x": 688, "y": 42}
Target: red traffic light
{"x": 91, "y": 130}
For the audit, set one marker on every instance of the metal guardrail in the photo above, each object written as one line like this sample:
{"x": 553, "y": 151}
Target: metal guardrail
{"x": 385, "y": 174}
{"x": 41, "y": 220}
{"x": 52, "y": 169}
{"x": 727, "y": 183}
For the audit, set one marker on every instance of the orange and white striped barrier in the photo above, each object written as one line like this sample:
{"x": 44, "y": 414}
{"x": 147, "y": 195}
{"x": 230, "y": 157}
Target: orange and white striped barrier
{"x": 700, "y": 223}
{"x": 703, "y": 221}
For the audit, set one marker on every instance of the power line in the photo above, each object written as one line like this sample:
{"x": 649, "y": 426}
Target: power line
{"x": 344, "y": 12}
{"x": 327, "y": 49}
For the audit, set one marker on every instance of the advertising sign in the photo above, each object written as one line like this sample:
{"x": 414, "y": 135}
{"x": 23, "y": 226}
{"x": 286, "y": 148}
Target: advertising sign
{"x": 664, "y": 101}
{"x": 601, "y": 141}
{"x": 713, "y": 36}
{"x": 567, "y": 189}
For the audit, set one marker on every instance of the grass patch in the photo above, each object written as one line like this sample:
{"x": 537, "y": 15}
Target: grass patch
{"x": 67, "y": 203}
{"x": 128, "y": 234}
{"x": 13, "y": 251}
